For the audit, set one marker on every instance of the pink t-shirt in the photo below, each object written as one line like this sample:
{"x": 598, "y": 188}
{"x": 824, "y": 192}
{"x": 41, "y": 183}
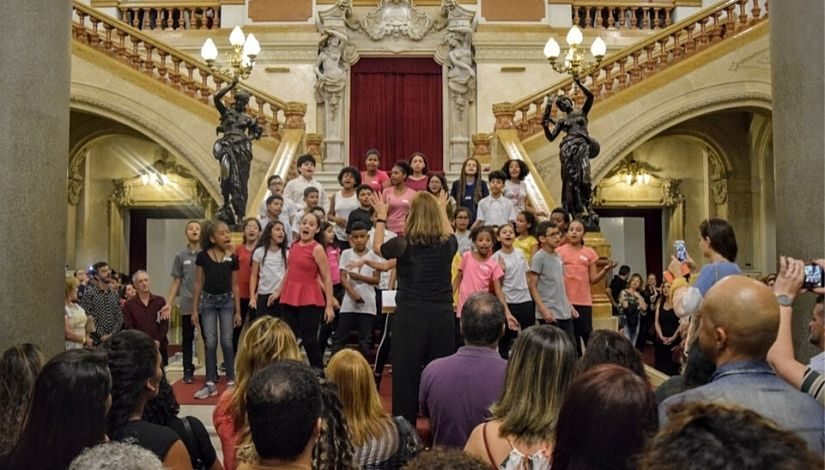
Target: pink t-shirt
{"x": 333, "y": 254}
{"x": 577, "y": 273}
{"x": 419, "y": 185}
{"x": 376, "y": 182}
{"x": 476, "y": 276}
{"x": 399, "y": 207}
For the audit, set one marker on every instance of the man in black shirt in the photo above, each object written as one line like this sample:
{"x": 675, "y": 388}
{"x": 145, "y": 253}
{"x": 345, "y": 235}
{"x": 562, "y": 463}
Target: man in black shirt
{"x": 617, "y": 285}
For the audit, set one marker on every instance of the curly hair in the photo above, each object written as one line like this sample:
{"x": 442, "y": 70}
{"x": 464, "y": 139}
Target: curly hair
{"x": 132, "y": 356}
{"x": 715, "y": 436}
{"x": 163, "y": 407}
{"x": 19, "y": 368}
{"x": 334, "y": 450}
{"x": 117, "y": 456}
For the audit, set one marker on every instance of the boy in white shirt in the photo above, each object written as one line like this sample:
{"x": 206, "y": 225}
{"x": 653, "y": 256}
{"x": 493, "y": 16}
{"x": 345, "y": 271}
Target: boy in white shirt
{"x": 274, "y": 211}
{"x": 311, "y": 196}
{"x": 495, "y": 209}
{"x": 294, "y": 190}
{"x": 276, "y": 188}
{"x": 358, "y": 308}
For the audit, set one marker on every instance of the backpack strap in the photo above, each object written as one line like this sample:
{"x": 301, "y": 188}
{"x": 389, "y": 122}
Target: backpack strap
{"x": 194, "y": 450}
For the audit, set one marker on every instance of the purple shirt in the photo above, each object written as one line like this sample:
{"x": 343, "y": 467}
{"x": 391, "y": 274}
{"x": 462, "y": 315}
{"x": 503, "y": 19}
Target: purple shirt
{"x": 457, "y": 392}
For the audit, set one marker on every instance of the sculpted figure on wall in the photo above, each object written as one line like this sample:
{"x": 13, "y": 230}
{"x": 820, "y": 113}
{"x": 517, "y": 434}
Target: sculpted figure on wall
{"x": 233, "y": 151}
{"x": 461, "y": 76}
{"x": 577, "y": 149}
{"x": 331, "y": 69}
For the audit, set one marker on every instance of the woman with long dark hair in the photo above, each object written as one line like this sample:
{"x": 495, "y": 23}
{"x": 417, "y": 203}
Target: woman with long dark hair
{"x": 614, "y": 403}
{"x": 19, "y": 368}
{"x": 135, "y": 366}
{"x": 71, "y": 396}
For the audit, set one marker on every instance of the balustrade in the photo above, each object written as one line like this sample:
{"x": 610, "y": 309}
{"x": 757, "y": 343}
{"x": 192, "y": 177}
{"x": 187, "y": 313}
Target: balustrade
{"x": 166, "y": 16}
{"x": 186, "y": 75}
{"x": 622, "y": 16}
{"x": 632, "y": 65}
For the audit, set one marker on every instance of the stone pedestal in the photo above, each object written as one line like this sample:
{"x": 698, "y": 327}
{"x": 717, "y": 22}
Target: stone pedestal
{"x": 797, "y": 68}
{"x": 34, "y": 124}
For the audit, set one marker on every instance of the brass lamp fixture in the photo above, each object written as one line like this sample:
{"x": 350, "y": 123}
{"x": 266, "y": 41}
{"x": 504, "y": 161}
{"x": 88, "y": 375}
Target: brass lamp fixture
{"x": 574, "y": 63}
{"x": 633, "y": 173}
{"x": 240, "y": 60}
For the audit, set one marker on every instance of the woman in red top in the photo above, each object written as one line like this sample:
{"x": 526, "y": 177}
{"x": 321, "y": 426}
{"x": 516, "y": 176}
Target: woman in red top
{"x": 580, "y": 271}
{"x": 251, "y": 232}
{"x": 377, "y": 179}
{"x": 302, "y": 299}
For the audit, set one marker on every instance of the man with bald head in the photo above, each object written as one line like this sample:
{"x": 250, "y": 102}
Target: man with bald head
{"x": 739, "y": 323}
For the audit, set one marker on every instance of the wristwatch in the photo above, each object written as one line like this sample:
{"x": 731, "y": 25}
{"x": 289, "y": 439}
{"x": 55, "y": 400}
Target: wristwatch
{"x": 784, "y": 300}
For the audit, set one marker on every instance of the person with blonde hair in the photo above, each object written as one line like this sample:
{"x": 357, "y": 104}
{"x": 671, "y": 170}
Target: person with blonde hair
{"x": 74, "y": 318}
{"x": 380, "y": 441}
{"x": 523, "y": 429}
{"x": 423, "y": 325}
{"x": 268, "y": 340}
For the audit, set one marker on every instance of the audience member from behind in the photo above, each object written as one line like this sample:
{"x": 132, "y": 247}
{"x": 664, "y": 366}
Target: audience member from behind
{"x": 811, "y": 378}
{"x": 266, "y": 341}
{"x": 523, "y": 428}
{"x": 610, "y": 347}
{"x": 613, "y": 403}
{"x": 71, "y": 397}
{"x": 457, "y": 391}
{"x": 284, "y": 412}
{"x": 697, "y": 372}
{"x": 713, "y": 436}
{"x": 333, "y": 449}
{"x": 446, "y": 459}
{"x": 135, "y": 365}
{"x": 380, "y": 441}
{"x": 19, "y": 368}
{"x": 116, "y": 456}
{"x": 163, "y": 410}
{"x": 740, "y": 318}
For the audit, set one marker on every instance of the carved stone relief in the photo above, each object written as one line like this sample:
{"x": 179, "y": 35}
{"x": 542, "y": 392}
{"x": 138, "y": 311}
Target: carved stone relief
{"x": 719, "y": 177}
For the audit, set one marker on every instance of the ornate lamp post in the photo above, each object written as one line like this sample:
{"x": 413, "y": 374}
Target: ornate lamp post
{"x": 574, "y": 63}
{"x": 240, "y": 61}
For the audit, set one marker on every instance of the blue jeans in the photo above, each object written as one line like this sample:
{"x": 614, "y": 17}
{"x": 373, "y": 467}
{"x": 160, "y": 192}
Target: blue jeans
{"x": 217, "y": 310}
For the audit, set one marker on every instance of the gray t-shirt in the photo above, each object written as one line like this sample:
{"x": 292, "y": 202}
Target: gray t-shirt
{"x": 183, "y": 268}
{"x": 550, "y": 270}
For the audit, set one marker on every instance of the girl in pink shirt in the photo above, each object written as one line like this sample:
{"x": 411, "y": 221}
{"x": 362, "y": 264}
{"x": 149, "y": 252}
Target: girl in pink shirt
{"x": 398, "y": 197}
{"x": 580, "y": 272}
{"x": 480, "y": 272}
{"x": 377, "y": 179}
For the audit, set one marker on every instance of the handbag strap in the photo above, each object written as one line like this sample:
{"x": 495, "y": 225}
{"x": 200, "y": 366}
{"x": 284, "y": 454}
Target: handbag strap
{"x": 194, "y": 451}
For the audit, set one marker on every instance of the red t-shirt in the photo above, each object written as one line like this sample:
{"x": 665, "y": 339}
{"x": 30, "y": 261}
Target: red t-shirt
{"x": 244, "y": 270}
{"x": 577, "y": 273}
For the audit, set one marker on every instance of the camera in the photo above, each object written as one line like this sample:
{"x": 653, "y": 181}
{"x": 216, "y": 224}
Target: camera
{"x": 814, "y": 277}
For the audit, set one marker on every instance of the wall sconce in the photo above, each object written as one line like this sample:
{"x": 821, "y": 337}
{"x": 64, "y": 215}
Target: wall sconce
{"x": 574, "y": 63}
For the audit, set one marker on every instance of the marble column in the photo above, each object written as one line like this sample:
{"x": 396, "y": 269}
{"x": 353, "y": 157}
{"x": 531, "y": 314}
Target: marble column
{"x": 797, "y": 71}
{"x": 34, "y": 140}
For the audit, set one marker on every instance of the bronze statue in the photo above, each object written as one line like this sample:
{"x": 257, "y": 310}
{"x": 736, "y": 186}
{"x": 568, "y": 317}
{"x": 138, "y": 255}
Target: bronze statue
{"x": 234, "y": 152}
{"x": 577, "y": 148}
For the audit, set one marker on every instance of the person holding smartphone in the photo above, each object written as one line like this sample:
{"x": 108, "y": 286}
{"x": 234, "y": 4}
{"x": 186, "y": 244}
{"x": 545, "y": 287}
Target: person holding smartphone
{"x": 790, "y": 283}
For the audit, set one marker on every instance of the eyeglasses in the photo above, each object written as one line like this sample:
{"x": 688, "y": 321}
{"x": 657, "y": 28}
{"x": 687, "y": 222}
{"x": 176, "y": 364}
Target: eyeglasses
{"x": 555, "y": 235}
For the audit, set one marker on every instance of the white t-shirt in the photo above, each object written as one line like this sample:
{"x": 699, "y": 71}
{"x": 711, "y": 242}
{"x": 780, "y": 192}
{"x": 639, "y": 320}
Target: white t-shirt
{"x": 294, "y": 190}
{"x": 271, "y": 270}
{"x": 514, "y": 283}
{"x": 366, "y": 291}
{"x": 284, "y": 219}
{"x": 464, "y": 242}
{"x": 496, "y": 211}
{"x": 343, "y": 207}
{"x": 288, "y": 207}
{"x": 384, "y": 280}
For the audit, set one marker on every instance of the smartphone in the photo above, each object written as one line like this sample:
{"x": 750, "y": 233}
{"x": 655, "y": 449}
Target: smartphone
{"x": 681, "y": 251}
{"x": 813, "y": 276}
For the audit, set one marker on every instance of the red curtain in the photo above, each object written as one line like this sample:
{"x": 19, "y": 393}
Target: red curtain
{"x": 396, "y": 108}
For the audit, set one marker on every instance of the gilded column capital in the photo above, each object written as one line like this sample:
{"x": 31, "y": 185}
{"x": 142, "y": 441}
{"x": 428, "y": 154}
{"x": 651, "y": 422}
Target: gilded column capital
{"x": 505, "y": 114}
{"x": 312, "y": 144}
{"x": 481, "y": 144}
